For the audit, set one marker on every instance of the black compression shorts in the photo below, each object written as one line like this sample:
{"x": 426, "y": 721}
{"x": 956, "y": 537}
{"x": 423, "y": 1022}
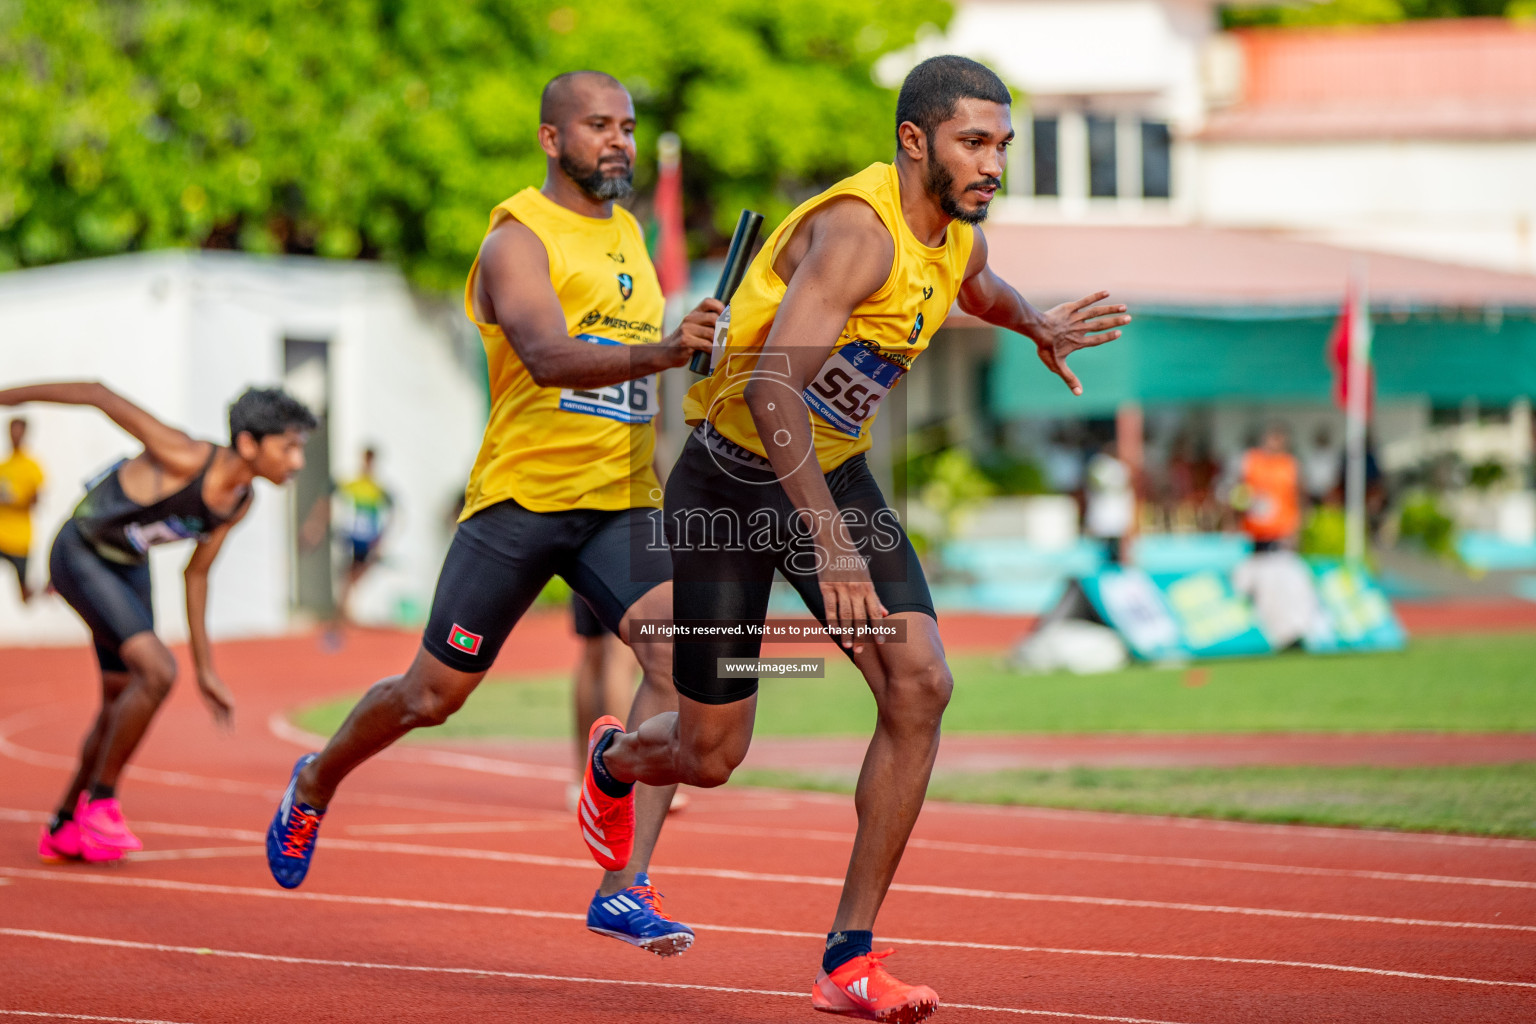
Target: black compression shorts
{"x": 113, "y": 599}
{"x": 584, "y": 620}
{"x": 502, "y": 556}
{"x": 729, "y": 526}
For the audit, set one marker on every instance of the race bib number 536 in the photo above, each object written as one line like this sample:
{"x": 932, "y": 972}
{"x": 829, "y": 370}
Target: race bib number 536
{"x": 633, "y": 401}
{"x": 849, "y": 387}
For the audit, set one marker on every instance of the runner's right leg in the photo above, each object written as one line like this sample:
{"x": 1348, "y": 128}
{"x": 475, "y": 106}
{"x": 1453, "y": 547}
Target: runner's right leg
{"x": 61, "y": 838}
{"x": 425, "y": 695}
{"x": 716, "y": 576}
{"x": 116, "y": 604}
{"x": 113, "y": 683}
{"x": 499, "y": 560}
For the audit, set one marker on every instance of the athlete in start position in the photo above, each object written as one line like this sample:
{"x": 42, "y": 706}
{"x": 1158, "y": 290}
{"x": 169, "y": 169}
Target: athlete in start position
{"x": 569, "y": 308}
{"x": 842, "y": 298}
{"x": 176, "y": 488}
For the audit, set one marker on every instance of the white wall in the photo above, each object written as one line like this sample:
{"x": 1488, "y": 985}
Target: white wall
{"x": 1467, "y": 201}
{"x": 183, "y": 334}
{"x": 1060, "y": 48}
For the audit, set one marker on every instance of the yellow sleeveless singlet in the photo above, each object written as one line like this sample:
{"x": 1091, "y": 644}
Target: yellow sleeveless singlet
{"x": 551, "y": 449}
{"x": 882, "y": 338}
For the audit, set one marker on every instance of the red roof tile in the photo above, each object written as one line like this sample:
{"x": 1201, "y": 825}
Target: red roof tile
{"x": 1198, "y": 266}
{"x": 1473, "y": 77}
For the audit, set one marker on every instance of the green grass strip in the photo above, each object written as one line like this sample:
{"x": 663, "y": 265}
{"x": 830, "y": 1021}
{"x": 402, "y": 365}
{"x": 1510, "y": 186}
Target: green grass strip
{"x": 1467, "y": 684}
{"x": 1492, "y": 800}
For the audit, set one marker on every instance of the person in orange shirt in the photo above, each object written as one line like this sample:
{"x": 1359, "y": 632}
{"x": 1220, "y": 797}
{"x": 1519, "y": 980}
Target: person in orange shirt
{"x": 1271, "y": 484}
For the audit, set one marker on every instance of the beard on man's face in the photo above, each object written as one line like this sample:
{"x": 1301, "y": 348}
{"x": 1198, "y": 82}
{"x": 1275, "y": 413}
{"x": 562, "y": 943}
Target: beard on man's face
{"x": 600, "y": 180}
{"x": 941, "y": 185}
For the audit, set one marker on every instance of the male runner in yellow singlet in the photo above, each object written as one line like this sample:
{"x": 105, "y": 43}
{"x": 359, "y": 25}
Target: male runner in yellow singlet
{"x": 569, "y": 309}
{"x": 841, "y": 299}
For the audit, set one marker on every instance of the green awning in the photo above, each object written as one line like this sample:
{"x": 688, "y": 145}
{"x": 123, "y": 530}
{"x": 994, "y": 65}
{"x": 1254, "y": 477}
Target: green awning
{"x": 1252, "y": 357}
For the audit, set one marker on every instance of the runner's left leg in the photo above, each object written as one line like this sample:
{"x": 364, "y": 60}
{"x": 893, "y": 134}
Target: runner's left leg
{"x": 655, "y": 696}
{"x": 113, "y": 683}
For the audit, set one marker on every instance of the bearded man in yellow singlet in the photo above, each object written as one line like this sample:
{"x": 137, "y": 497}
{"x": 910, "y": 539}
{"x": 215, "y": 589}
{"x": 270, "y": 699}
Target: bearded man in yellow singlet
{"x": 569, "y": 309}
{"x": 844, "y": 295}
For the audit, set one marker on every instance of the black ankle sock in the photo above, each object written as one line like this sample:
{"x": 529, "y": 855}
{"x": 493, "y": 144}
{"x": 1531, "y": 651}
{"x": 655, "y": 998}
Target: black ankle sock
{"x": 844, "y": 946}
{"x": 59, "y": 818}
{"x": 102, "y": 792}
{"x": 605, "y": 782}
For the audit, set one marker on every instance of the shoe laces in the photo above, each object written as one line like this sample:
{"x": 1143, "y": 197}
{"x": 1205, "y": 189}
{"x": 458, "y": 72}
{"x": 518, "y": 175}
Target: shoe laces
{"x": 301, "y": 833}
{"x": 648, "y": 896}
{"x": 879, "y": 978}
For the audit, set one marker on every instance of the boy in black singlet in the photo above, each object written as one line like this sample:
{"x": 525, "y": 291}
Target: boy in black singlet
{"x": 177, "y": 488}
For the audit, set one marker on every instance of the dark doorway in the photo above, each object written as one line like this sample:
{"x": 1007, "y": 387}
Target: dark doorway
{"x": 307, "y": 376}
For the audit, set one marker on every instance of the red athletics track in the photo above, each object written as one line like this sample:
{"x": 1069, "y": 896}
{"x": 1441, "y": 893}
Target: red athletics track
{"x": 449, "y": 887}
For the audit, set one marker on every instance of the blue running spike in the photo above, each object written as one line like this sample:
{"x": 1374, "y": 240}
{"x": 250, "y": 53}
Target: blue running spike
{"x": 291, "y": 836}
{"x": 634, "y": 915}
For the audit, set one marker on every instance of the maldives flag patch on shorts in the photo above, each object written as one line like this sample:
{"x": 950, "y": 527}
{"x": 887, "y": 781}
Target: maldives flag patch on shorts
{"x": 462, "y": 639}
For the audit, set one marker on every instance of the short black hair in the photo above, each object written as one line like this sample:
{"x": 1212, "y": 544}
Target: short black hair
{"x": 263, "y": 411}
{"x": 555, "y": 101}
{"x": 933, "y": 88}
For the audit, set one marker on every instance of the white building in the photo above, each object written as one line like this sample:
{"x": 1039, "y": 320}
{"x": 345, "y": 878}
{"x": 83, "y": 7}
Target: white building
{"x": 1416, "y": 138}
{"x": 182, "y": 334}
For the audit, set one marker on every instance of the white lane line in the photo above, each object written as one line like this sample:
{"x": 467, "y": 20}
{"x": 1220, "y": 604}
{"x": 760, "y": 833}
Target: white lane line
{"x": 449, "y": 828}
{"x": 82, "y": 1016}
{"x": 156, "y": 947}
{"x": 203, "y": 888}
{"x": 279, "y": 725}
{"x": 185, "y": 780}
{"x": 200, "y": 853}
{"x": 1213, "y": 825}
{"x": 497, "y": 766}
{"x": 1105, "y": 858}
{"x": 931, "y": 890}
{"x": 543, "y": 860}
{"x": 286, "y": 730}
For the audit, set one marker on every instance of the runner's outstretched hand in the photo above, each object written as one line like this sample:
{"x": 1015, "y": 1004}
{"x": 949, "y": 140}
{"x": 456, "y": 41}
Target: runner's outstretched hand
{"x": 1076, "y": 325}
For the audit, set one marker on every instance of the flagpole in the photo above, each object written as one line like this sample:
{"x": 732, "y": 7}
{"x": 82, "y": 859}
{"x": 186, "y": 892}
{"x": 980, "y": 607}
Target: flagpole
{"x": 1355, "y": 416}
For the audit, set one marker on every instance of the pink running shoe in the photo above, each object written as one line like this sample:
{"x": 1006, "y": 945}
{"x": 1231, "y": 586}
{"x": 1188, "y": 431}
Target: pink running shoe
{"x": 101, "y": 822}
{"x": 68, "y": 843}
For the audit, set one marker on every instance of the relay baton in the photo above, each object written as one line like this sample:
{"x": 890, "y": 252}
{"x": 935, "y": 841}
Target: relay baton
{"x": 735, "y": 269}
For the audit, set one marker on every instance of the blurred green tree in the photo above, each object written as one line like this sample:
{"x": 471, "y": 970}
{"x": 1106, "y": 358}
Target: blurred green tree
{"x": 389, "y": 128}
{"x": 1366, "y": 12}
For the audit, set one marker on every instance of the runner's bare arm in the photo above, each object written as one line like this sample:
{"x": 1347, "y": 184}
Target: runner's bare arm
{"x": 170, "y": 447}
{"x": 215, "y": 694}
{"x": 848, "y": 259}
{"x": 1057, "y": 332}
{"x": 513, "y": 290}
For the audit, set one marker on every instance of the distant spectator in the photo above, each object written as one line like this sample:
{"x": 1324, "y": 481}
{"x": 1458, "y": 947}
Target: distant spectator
{"x": 21, "y": 481}
{"x": 1268, "y": 494}
{"x": 1063, "y": 464}
{"x": 1181, "y": 504}
{"x": 1321, "y": 469}
{"x": 369, "y": 509}
{"x": 1111, "y": 502}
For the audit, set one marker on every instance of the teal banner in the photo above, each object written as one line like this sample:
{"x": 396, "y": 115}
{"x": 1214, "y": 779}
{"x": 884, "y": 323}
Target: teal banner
{"x": 1178, "y": 616}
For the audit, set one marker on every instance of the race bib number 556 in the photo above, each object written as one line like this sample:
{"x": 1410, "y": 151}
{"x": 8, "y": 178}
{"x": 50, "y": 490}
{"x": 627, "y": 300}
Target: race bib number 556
{"x": 633, "y": 401}
{"x": 849, "y": 387}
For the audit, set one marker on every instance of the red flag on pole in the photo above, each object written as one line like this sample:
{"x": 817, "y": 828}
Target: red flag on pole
{"x": 1351, "y": 329}
{"x": 671, "y": 246}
